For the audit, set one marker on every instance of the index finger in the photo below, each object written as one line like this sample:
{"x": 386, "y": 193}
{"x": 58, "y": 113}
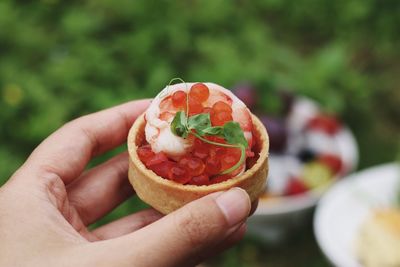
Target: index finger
{"x": 67, "y": 151}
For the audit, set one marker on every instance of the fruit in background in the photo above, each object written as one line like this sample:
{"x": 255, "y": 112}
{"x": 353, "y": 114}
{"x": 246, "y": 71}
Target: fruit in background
{"x": 306, "y": 155}
{"x": 247, "y": 93}
{"x": 287, "y": 99}
{"x": 277, "y": 132}
{"x": 328, "y": 124}
{"x": 302, "y": 111}
{"x": 316, "y": 174}
{"x": 295, "y": 186}
{"x": 320, "y": 142}
{"x": 332, "y": 161}
{"x": 283, "y": 168}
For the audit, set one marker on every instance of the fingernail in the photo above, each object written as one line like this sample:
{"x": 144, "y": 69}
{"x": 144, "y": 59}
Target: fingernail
{"x": 235, "y": 204}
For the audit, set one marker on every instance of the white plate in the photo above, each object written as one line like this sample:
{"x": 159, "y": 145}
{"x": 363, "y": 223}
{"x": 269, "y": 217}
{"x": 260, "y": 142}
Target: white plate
{"x": 347, "y": 204}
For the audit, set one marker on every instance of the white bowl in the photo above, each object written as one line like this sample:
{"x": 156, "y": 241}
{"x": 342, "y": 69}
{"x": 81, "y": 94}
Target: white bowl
{"x": 276, "y": 217}
{"x": 348, "y": 203}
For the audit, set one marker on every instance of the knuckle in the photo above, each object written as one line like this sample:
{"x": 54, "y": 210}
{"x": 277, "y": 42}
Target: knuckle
{"x": 77, "y": 201}
{"x": 198, "y": 226}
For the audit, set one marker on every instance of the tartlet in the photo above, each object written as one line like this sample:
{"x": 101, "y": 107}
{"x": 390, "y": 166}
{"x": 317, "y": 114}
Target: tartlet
{"x": 166, "y": 195}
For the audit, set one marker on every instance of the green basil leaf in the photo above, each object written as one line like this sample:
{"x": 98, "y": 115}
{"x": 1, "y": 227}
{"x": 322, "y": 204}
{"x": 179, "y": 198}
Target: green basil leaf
{"x": 179, "y": 125}
{"x": 199, "y": 122}
{"x": 233, "y": 134}
{"x": 217, "y": 131}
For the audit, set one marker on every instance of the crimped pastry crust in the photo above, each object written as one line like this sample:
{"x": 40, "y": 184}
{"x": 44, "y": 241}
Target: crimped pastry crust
{"x": 166, "y": 196}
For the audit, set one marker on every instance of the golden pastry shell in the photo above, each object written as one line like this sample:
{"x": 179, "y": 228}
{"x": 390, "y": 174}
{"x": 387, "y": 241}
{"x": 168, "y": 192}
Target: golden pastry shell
{"x": 166, "y": 196}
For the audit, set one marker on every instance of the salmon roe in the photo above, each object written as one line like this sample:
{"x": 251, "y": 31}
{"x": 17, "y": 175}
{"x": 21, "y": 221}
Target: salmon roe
{"x": 220, "y": 118}
{"x": 221, "y": 106}
{"x": 199, "y": 92}
{"x": 179, "y": 99}
{"x": 204, "y": 164}
{"x": 221, "y": 113}
{"x": 195, "y": 107}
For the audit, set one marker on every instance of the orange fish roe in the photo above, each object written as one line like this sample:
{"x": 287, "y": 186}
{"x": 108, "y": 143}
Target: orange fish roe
{"x": 221, "y": 113}
{"x": 195, "y": 107}
{"x": 145, "y": 153}
{"x": 179, "y": 99}
{"x": 199, "y": 92}
{"x": 180, "y": 174}
{"x": 205, "y": 162}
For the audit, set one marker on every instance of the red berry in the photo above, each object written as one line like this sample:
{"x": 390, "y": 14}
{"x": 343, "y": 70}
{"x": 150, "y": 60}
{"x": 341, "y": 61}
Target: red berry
{"x": 221, "y": 106}
{"x": 199, "y": 92}
{"x": 332, "y": 161}
{"x": 179, "y": 99}
{"x": 145, "y": 153}
{"x": 295, "y": 186}
{"x": 195, "y": 166}
{"x": 179, "y": 174}
{"x": 156, "y": 159}
{"x": 200, "y": 180}
{"x": 325, "y": 123}
{"x": 163, "y": 169}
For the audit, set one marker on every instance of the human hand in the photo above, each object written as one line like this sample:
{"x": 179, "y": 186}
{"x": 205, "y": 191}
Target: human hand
{"x": 46, "y": 206}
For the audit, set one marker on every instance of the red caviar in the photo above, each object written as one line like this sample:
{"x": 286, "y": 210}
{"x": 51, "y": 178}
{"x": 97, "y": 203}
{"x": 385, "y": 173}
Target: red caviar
{"x": 179, "y": 99}
{"x": 204, "y": 164}
{"x": 220, "y": 118}
{"x": 194, "y": 165}
{"x": 145, "y": 153}
{"x": 156, "y": 159}
{"x": 221, "y": 106}
{"x": 163, "y": 169}
{"x": 199, "y": 92}
{"x": 200, "y": 180}
{"x": 213, "y": 166}
{"x": 180, "y": 174}
{"x": 195, "y": 107}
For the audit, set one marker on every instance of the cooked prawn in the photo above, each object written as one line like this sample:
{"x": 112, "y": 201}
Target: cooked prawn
{"x": 162, "y": 111}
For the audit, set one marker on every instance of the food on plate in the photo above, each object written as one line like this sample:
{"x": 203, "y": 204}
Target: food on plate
{"x": 378, "y": 241}
{"x": 306, "y": 152}
{"x": 195, "y": 139}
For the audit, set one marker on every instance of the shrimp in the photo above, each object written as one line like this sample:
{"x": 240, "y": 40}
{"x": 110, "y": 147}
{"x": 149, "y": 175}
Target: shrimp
{"x": 162, "y": 111}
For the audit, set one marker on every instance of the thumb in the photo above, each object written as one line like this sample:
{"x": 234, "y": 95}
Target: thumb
{"x": 185, "y": 236}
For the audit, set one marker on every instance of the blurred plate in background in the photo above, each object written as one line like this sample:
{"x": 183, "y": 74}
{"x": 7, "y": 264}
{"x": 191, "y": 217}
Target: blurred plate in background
{"x": 346, "y": 206}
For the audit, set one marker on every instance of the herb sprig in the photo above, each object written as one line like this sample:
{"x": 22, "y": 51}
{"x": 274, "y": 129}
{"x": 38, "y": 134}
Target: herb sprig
{"x": 200, "y": 126}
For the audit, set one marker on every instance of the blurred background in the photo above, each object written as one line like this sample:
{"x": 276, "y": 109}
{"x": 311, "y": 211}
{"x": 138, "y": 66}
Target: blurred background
{"x": 63, "y": 59}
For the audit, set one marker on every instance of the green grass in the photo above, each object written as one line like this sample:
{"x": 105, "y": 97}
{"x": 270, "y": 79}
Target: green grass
{"x": 63, "y": 59}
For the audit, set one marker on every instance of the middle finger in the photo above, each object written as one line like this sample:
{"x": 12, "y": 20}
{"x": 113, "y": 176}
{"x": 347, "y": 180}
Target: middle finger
{"x": 100, "y": 189}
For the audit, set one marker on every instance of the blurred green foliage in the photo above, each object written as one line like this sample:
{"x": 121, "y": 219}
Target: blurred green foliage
{"x": 63, "y": 59}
